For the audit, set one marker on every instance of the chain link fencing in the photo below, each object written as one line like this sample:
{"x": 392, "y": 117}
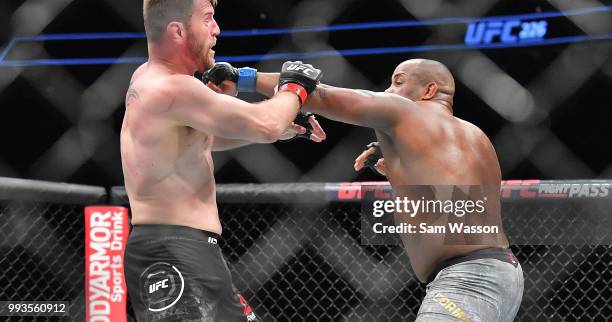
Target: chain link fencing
{"x": 42, "y": 243}
{"x": 295, "y": 252}
{"x": 302, "y": 262}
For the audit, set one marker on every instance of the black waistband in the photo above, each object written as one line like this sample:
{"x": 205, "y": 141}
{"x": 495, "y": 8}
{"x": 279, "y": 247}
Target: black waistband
{"x": 502, "y": 254}
{"x": 156, "y": 231}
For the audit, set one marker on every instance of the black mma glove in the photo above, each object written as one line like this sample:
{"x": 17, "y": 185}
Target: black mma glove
{"x": 299, "y": 78}
{"x": 302, "y": 120}
{"x": 245, "y": 78}
{"x": 374, "y": 157}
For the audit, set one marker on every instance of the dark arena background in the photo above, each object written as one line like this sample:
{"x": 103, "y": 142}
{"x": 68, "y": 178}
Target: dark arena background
{"x": 535, "y": 76}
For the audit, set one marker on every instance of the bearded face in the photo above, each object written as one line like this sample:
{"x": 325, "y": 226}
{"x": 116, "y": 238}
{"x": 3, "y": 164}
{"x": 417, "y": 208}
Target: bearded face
{"x": 198, "y": 52}
{"x": 202, "y": 31}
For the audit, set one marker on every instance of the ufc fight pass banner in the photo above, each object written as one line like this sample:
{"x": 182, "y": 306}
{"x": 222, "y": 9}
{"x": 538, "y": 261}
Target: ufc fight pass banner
{"x": 106, "y": 234}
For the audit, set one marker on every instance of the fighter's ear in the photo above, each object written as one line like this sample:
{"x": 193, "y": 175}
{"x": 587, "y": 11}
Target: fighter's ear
{"x": 175, "y": 31}
{"x": 431, "y": 89}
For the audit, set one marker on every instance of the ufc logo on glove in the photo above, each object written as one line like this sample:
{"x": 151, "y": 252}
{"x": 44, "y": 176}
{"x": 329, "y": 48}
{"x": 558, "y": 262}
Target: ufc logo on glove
{"x": 297, "y": 67}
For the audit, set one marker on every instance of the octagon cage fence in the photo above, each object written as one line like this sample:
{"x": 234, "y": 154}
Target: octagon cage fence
{"x": 295, "y": 251}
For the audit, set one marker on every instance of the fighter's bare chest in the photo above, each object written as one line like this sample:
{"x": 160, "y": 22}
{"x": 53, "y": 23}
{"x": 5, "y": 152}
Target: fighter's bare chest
{"x": 195, "y": 146}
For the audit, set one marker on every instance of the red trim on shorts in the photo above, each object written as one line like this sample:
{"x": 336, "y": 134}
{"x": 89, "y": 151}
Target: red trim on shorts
{"x": 246, "y": 307}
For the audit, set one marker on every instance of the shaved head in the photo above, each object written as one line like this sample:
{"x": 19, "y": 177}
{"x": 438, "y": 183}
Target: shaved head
{"x": 426, "y": 71}
{"x": 423, "y": 80}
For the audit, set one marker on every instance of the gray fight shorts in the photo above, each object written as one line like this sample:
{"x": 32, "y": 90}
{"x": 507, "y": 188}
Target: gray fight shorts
{"x": 486, "y": 285}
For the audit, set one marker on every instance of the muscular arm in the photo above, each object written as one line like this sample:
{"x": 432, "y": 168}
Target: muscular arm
{"x": 358, "y": 107}
{"x": 197, "y": 106}
{"x": 266, "y": 83}
{"x": 224, "y": 144}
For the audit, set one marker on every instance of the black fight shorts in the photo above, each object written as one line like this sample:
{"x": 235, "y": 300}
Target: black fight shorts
{"x": 177, "y": 273}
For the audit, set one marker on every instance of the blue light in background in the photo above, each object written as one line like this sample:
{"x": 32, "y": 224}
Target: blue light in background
{"x": 483, "y": 33}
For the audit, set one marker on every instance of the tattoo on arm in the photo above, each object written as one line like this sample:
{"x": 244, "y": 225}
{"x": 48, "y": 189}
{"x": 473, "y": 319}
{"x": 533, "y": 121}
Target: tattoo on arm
{"x": 131, "y": 96}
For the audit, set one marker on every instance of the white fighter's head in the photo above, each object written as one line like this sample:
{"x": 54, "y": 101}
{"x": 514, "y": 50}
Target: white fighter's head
{"x": 185, "y": 27}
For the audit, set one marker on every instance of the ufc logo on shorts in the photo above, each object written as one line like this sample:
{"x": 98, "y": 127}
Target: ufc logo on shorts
{"x": 157, "y": 285}
{"x": 298, "y": 67}
{"x": 212, "y": 240}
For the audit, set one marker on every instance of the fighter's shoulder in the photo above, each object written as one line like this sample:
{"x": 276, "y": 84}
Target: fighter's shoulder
{"x": 180, "y": 86}
{"x": 162, "y": 91}
{"x": 173, "y": 84}
{"x": 151, "y": 92}
{"x": 468, "y": 125}
{"x": 475, "y": 131}
{"x": 402, "y": 101}
{"x": 401, "y": 106}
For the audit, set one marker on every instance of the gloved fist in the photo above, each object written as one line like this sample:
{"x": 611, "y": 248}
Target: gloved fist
{"x": 304, "y": 126}
{"x": 245, "y": 78}
{"x": 302, "y": 120}
{"x": 221, "y": 72}
{"x": 299, "y": 78}
{"x": 372, "y": 158}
